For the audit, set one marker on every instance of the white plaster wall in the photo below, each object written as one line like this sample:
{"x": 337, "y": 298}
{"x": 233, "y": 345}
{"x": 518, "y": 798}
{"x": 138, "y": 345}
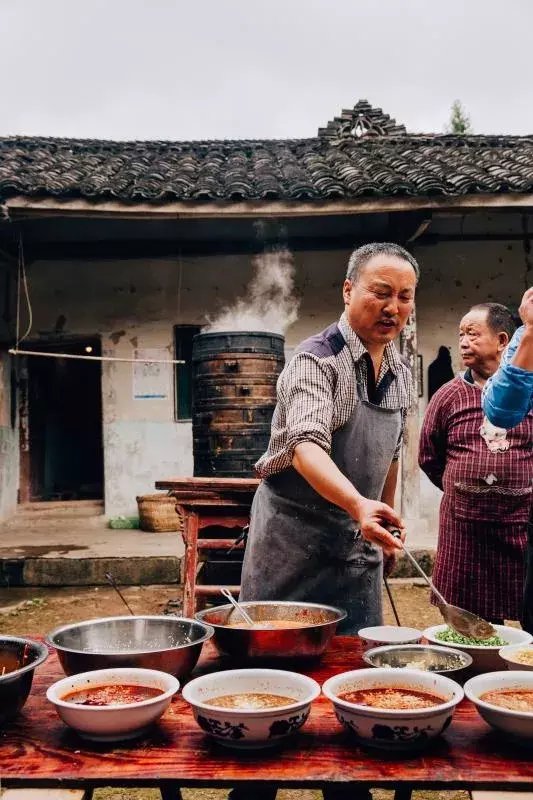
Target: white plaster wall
{"x": 135, "y": 304}
{"x": 9, "y": 454}
{"x": 454, "y": 277}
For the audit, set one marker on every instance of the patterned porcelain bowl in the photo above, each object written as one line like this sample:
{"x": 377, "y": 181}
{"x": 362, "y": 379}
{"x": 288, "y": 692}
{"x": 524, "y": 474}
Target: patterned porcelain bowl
{"x": 257, "y": 727}
{"x": 388, "y": 728}
{"x": 512, "y": 723}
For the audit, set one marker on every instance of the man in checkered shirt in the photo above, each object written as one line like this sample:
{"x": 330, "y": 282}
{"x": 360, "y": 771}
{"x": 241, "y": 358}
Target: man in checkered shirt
{"x": 320, "y": 516}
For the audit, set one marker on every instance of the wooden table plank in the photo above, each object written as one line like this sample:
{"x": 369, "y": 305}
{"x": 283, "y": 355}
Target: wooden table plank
{"x": 37, "y": 749}
{"x": 209, "y": 484}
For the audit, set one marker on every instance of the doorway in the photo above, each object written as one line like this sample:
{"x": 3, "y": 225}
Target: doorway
{"x": 63, "y": 454}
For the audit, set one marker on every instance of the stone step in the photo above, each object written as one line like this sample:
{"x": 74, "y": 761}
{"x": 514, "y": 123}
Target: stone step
{"x": 74, "y": 507}
{"x": 139, "y": 571}
{"x": 32, "y": 521}
{"x": 61, "y": 505}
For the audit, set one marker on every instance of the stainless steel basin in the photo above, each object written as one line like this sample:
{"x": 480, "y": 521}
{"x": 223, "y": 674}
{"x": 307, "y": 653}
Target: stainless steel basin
{"x": 275, "y": 643}
{"x": 15, "y": 684}
{"x": 170, "y": 644}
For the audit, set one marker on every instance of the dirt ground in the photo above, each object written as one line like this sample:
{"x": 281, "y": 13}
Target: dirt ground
{"x": 39, "y": 610}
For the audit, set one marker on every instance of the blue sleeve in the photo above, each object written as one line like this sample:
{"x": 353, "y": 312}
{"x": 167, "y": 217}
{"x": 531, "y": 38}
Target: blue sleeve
{"x": 508, "y": 395}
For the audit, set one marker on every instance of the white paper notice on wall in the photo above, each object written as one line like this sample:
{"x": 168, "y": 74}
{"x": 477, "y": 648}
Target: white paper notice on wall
{"x": 151, "y": 381}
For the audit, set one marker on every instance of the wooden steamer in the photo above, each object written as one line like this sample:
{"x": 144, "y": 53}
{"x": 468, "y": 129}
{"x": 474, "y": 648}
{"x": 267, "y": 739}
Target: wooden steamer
{"x": 234, "y": 380}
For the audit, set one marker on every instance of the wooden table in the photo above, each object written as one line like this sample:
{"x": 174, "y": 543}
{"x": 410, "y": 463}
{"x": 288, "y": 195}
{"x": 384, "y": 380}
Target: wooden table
{"x": 204, "y": 503}
{"x": 36, "y": 749}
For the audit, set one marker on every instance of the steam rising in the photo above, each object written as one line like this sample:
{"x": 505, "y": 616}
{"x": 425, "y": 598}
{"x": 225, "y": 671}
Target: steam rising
{"x": 270, "y": 303}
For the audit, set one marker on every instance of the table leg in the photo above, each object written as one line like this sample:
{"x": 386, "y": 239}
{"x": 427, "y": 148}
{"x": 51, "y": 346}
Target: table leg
{"x": 170, "y": 791}
{"x": 190, "y": 537}
{"x": 253, "y": 791}
{"x": 403, "y": 794}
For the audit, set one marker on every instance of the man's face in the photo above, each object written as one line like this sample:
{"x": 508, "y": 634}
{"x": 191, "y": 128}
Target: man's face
{"x": 378, "y": 304}
{"x": 480, "y": 347}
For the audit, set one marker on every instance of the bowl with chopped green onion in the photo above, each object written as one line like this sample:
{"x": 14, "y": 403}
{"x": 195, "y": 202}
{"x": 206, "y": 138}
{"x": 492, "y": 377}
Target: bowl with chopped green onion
{"x": 484, "y": 652}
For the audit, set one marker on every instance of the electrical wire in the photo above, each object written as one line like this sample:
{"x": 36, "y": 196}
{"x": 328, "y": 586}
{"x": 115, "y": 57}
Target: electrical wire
{"x": 22, "y": 282}
{"x": 16, "y": 352}
{"x": 22, "y": 275}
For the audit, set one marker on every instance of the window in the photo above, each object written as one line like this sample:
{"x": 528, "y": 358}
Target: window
{"x": 183, "y": 336}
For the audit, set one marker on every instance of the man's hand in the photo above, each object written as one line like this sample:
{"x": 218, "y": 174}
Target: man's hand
{"x": 374, "y": 518}
{"x": 526, "y": 308}
{"x": 523, "y": 357}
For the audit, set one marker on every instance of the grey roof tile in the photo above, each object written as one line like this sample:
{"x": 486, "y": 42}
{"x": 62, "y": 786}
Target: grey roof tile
{"x": 363, "y": 152}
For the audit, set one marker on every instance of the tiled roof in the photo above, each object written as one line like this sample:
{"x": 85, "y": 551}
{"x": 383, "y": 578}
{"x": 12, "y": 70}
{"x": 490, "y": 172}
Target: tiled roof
{"x": 363, "y": 152}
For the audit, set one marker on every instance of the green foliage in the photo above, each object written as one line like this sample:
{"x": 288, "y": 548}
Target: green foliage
{"x": 124, "y": 523}
{"x": 459, "y": 123}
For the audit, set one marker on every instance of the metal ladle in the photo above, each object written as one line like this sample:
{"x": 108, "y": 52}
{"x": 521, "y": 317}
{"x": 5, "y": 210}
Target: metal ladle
{"x": 462, "y": 621}
{"x": 244, "y": 614}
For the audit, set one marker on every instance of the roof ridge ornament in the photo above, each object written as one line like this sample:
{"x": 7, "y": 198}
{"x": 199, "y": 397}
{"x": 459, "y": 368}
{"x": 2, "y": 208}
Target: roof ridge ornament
{"x": 358, "y": 123}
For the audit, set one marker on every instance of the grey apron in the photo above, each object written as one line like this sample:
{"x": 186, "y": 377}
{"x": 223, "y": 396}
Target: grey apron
{"x": 301, "y": 547}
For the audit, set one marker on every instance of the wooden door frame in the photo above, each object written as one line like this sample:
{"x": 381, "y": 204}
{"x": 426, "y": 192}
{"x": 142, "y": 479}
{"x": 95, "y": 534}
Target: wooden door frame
{"x": 24, "y": 494}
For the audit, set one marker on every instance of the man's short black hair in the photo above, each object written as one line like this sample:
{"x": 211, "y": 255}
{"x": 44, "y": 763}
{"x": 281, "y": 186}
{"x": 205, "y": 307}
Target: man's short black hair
{"x": 499, "y": 318}
{"x": 363, "y": 254}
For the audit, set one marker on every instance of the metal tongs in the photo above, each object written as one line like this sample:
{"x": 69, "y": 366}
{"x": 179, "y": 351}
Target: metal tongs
{"x": 462, "y": 621}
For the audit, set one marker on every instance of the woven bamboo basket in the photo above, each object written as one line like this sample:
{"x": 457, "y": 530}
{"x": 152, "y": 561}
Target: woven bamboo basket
{"x": 157, "y": 513}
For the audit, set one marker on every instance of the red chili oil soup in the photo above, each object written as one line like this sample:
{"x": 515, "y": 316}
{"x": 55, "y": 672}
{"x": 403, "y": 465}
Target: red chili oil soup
{"x": 392, "y": 697}
{"x": 249, "y": 701}
{"x": 512, "y": 699}
{"x": 9, "y": 662}
{"x": 270, "y": 624}
{"x": 113, "y": 694}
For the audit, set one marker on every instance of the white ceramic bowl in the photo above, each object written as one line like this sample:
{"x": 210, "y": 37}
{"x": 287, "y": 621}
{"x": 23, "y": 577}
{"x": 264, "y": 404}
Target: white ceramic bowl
{"x": 251, "y": 728}
{"x": 113, "y": 722}
{"x": 393, "y": 729}
{"x": 379, "y": 635}
{"x": 508, "y": 654}
{"x": 514, "y": 723}
{"x": 484, "y": 659}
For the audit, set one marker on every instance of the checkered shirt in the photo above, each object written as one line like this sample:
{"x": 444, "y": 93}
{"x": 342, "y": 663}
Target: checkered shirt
{"x": 317, "y": 392}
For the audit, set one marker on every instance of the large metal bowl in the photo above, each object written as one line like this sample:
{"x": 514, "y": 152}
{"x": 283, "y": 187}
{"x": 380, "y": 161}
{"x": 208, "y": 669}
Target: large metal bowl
{"x": 15, "y": 684}
{"x": 169, "y": 644}
{"x": 274, "y": 643}
{"x": 429, "y": 658}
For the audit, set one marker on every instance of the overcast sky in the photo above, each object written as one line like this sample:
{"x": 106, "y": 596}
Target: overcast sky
{"x": 201, "y": 69}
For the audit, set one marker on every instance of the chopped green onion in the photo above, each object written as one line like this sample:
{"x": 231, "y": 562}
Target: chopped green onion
{"x": 451, "y": 636}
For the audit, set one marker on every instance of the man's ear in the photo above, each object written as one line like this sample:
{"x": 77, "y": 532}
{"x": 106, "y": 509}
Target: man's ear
{"x": 346, "y": 290}
{"x": 503, "y": 340}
